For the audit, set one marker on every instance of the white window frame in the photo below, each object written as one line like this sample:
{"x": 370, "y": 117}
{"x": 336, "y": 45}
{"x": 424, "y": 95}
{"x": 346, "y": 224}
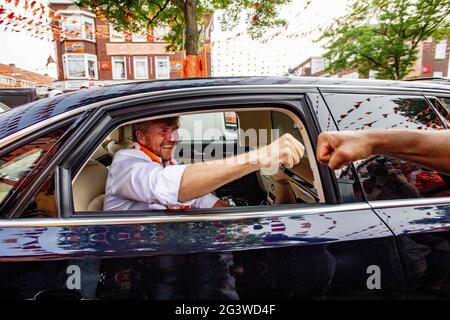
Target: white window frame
{"x": 113, "y": 32}
{"x": 93, "y": 58}
{"x": 440, "y": 50}
{"x": 118, "y": 58}
{"x": 7, "y": 80}
{"x": 141, "y": 58}
{"x": 86, "y": 58}
{"x": 81, "y": 19}
{"x": 139, "y": 37}
{"x": 158, "y": 75}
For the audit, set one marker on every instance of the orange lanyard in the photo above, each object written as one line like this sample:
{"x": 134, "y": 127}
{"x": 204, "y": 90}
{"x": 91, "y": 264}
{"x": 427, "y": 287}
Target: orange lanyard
{"x": 153, "y": 156}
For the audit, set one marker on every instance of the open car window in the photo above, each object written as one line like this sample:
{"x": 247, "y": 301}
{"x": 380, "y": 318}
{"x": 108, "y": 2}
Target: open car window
{"x": 215, "y": 135}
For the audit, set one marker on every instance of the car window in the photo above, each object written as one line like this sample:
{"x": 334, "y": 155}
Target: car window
{"x": 442, "y": 105}
{"x": 208, "y": 126}
{"x": 381, "y": 177}
{"x": 43, "y": 204}
{"x": 243, "y": 130}
{"x": 17, "y": 165}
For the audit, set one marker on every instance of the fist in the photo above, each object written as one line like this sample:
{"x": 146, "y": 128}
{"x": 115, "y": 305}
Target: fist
{"x": 286, "y": 151}
{"x": 338, "y": 149}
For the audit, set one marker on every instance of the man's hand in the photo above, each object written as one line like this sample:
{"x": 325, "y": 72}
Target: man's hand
{"x": 338, "y": 149}
{"x": 286, "y": 151}
{"x": 221, "y": 204}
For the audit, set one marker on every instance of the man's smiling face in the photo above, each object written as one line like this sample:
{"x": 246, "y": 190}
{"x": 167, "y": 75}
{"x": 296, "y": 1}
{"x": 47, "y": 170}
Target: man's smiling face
{"x": 160, "y": 137}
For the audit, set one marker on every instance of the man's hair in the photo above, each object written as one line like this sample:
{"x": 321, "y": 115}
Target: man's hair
{"x": 143, "y": 126}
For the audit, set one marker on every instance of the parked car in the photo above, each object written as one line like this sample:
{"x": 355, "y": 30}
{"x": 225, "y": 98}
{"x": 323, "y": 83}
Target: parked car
{"x": 3, "y": 107}
{"x": 379, "y": 228}
{"x": 14, "y": 97}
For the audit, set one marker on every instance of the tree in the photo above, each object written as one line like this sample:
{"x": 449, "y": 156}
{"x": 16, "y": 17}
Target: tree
{"x": 185, "y": 17}
{"x": 384, "y": 35}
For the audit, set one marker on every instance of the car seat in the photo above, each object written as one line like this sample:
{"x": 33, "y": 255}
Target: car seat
{"x": 89, "y": 187}
{"x": 121, "y": 138}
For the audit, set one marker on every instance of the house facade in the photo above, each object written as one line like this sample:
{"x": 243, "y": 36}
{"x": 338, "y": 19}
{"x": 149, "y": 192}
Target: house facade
{"x": 91, "y": 52}
{"x": 433, "y": 60}
{"x": 13, "y": 77}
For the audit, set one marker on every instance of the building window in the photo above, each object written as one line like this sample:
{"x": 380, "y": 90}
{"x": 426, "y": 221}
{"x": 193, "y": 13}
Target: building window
{"x": 441, "y": 49}
{"x": 162, "y": 67}
{"x": 7, "y": 80}
{"x": 89, "y": 29}
{"x": 116, "y": 36}
{"x": 140, "y": 67}
{"x": 139, "y": 36}
{"x": 119, "y": 68}
{"x": 80, "y": 66}
{"x": 79, "y": 27}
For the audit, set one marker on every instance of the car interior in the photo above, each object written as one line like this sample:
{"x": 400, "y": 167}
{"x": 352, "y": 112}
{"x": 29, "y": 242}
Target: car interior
{"x": 300, "y": 184}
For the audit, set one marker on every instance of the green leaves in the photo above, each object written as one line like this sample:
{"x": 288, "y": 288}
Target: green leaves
{"x": 384, "y": 35}
{"x": 138, "y": 15}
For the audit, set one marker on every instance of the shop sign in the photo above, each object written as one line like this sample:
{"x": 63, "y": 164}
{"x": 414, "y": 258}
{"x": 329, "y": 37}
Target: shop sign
{"x": 427, "y": 69}
{"x": 105, "y": 65}
{"x": 74, "y": 47}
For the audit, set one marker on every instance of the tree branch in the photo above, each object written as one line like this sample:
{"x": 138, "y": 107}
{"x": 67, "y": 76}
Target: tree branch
{"x": 161, "y": 9}
{"x": 372, "y": 59}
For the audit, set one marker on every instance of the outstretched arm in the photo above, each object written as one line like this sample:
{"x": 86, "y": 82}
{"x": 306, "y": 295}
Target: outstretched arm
{"x": 427, "y": 148}
{"x": 201, "y": 178}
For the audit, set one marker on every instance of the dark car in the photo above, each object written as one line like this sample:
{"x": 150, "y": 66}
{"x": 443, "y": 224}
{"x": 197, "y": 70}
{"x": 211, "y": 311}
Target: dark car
{"x": 13, "y": 97}
{"x": 379, "y": 228}
{"x": 3, "y": 107}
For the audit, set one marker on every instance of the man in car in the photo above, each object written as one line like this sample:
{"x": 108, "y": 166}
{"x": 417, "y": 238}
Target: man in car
{"x": 427, "y": 148}
{"x": 146, "y": 177}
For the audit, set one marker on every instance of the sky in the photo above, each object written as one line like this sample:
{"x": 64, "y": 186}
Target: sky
{"x": 231, "y": 55}
{"x": 234, "y": 55}
{"x": 25, "y": 51}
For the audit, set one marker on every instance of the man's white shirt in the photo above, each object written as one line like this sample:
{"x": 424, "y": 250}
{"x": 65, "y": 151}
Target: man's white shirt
{"x": 135, "y": 182}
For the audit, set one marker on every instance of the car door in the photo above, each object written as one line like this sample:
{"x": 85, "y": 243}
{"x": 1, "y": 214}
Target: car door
{"x": 413, "y": 201}
{"x": 323, "y": 250}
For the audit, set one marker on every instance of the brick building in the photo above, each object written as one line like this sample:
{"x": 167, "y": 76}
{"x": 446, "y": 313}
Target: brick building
{"x": 433, "y": 60}
{"x": 315, "y": 67}
{"x": 311, "y": 67}
{"x": 13, "y": 77}
{"x": 89, "y": 51}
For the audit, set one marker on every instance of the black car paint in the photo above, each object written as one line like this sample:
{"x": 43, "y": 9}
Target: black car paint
{"x": 276, "y": 257}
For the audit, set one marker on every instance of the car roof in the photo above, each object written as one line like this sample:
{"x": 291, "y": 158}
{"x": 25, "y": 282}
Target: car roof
{"x": 32, "y": 113}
